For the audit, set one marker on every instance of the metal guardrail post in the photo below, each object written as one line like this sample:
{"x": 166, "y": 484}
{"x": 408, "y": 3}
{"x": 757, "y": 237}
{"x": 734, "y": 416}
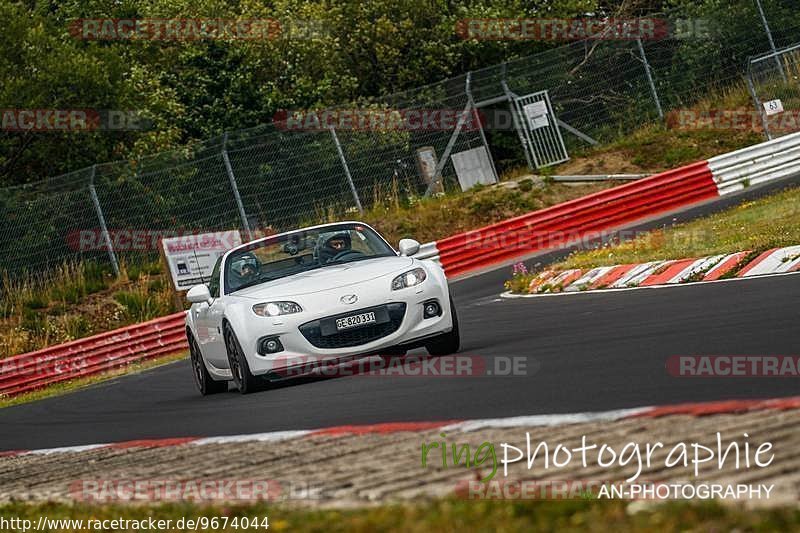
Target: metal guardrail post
{"x": 650, "y": 78}
{"x": 103, "y": 228}
{"x": 232, "y": 179}
{"x": 346, "y": 169}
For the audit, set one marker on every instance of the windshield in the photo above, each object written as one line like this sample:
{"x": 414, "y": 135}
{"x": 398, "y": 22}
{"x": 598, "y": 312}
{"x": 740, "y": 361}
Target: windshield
{"x": 300, "y": 251}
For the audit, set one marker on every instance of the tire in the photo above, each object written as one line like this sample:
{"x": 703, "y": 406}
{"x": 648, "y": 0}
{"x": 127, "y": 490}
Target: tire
{"x": 245, "y": 381}
{"x": 202, "y": 379}
{"x": 446, "y": 343}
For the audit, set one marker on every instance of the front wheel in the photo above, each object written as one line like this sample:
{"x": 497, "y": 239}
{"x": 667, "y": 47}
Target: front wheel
{"x": 202, "y": 379}
{"x": 245, "y": 381}
{"x": 446, "y": 343}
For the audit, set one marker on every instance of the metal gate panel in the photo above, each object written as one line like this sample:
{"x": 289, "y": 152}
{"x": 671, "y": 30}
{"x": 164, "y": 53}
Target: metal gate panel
{"x": 540, "y": 128}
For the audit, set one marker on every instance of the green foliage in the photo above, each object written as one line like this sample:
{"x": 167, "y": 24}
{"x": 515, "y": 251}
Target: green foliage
{"x": 328, "y": 53}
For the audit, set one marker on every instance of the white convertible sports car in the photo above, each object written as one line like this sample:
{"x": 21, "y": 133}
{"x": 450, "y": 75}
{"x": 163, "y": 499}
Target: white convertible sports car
{"x": 327, "y": 293}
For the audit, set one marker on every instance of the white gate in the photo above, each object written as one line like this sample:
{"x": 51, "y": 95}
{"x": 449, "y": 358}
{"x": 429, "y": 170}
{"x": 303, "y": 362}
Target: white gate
{"x": 539, "y": 125}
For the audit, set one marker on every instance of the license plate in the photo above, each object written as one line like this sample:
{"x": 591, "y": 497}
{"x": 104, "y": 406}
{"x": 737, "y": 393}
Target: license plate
{"x": 355, "y": 320}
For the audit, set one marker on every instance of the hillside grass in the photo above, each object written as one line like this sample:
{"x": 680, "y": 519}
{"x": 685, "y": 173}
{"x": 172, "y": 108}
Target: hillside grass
{"x": 77, "y": 300}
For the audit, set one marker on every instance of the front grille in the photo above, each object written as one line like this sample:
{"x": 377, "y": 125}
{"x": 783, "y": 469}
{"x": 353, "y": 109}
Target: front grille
{"x": 355, "y": 336}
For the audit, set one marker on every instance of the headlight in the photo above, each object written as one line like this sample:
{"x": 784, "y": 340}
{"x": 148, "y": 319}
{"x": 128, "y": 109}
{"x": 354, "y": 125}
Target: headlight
{"x": 276, "y": 308}
{"x": 409, "y": 279}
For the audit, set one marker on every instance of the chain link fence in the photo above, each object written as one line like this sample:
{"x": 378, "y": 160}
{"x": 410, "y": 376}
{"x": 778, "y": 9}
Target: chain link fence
{"x": 272, "y": 177}
{"x": 774, "y": 82}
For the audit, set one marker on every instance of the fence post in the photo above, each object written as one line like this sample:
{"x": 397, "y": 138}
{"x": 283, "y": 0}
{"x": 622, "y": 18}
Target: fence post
{"x": 757, "y": 102}
{"x": 650, "y": 78}
{"x": 346, "y": 168}
{"x": 232, "y": 179}
{"x": 769, "y": 38}
{"x": 103, "y": 228}
{"x": 517, "y": 126}
{"x": 468, "y": 90}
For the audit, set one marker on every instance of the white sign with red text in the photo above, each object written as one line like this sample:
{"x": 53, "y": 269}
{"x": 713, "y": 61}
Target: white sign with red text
{"x": 191, "y": 258}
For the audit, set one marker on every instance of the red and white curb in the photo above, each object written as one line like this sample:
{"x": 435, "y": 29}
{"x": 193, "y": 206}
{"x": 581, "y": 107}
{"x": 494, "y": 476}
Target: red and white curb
{"x": 685, "y": 409}
{"x": 671, "y": 272}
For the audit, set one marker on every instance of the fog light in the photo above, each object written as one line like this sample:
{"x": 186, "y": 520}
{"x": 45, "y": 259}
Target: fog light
{"x": 431, "y": 309}
{"x": 270, "y": 345}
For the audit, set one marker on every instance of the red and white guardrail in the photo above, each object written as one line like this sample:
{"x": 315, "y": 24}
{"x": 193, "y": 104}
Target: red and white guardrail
{"x": 92, "y": 355}
{"x": 540, "y": 230}
{"x": 586, "y": 217}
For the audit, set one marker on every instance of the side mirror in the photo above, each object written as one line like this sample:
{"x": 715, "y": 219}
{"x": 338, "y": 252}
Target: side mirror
{"x": 408, "y": 247}
{"x": 199, "y": 294}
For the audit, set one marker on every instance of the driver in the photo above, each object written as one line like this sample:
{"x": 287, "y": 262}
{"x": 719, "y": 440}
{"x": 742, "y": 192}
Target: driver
{"x": 245, "y": 268}
{"x": 333, "y": 246}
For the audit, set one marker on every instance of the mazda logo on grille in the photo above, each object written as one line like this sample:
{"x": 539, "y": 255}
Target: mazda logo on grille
{"x": 349, "y": 299}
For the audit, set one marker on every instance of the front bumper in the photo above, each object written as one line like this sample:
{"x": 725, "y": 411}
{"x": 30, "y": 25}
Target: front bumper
{"x": 299, "y": 350}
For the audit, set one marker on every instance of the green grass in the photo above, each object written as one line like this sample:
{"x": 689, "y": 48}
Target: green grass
{"x": 769, "y": 222}
{"x": 79, "y": 299}
{"x": 449, "y": 515}
{"x": 663, "y": 146}
{"x": 757, "y": 226}
{"x": 397, "y": 215}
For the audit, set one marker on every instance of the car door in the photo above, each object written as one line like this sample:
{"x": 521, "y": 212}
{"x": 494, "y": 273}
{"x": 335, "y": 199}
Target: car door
{"x": 209, "y": 322}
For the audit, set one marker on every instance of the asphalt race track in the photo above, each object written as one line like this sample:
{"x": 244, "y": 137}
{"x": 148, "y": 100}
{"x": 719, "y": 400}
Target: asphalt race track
{"x": 584, "y": 352}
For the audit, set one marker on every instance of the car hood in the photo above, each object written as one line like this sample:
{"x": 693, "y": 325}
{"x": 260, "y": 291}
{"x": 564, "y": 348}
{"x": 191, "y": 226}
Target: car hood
{"x": 327, "y": 278}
